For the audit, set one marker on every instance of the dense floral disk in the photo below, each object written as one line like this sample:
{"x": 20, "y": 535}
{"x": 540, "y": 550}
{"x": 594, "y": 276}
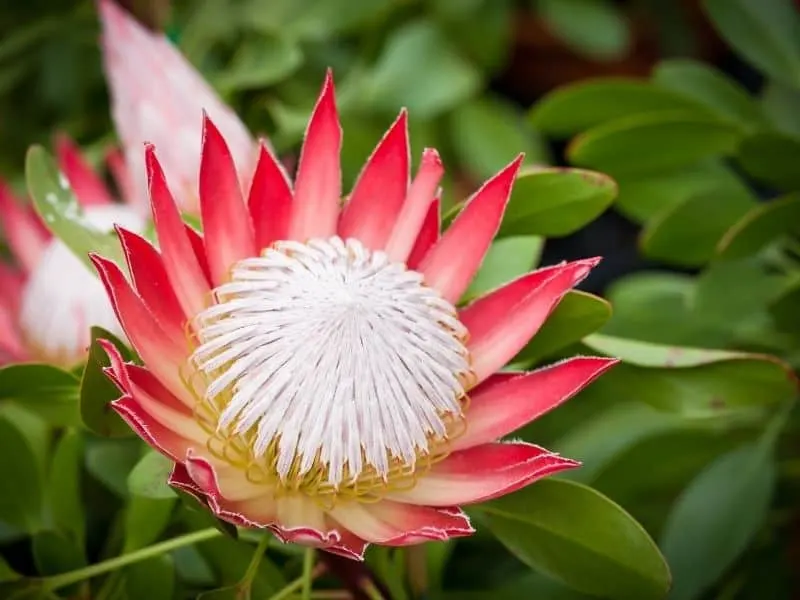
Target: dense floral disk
{"x": 330, "y": 389}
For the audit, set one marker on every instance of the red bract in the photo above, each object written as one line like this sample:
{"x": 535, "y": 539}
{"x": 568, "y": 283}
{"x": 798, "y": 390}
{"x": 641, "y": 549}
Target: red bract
{"x": 330, "y": 391}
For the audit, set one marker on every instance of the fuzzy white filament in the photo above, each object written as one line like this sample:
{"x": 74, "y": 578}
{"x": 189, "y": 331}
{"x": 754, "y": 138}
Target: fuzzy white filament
{"x": 345, "y": 357}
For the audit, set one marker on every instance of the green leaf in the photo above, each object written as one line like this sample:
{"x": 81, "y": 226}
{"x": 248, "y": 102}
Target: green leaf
{"x": 227, "y": 557}
{"x": 64, "y": 486}
{"x": 6, "y": 572}
{"x": 595, "y": 28}
{"x": 764, "y": 224}
{"x": 97, "y": 391}
{"x": 716, "y": 517}
{"x": 149, "y": 477}
{"x": 577, "y": 315}
{"x": 657, "y": 307}
{"x": 643, "y": 144}
{"x": 764, "y": 32}
{"x": 249, "y": 69}
{"x": 784, "y": 309}
{"x": 232, "y": 592}
{"x": 61, "y": 213}
{"x": 507, "y": 259}
{"x": 488, "y": 133}
{"x": 54, "y": 552}
{"x": 44, "y": 390}
{"x": 21, "y": 500}
{"x": 482, "y": 31}
{"x": 598, "y": 441}
{"x": 397, "y": 80}
{"x": 708, "y": 86}
{"x": 200, "y": 511}
{"x": 772, "y": 158}
{"x": 643, "y": 198}
{"x": 574, "y": 108}
{"x": 110, "y": 461}
{"x": 145, "y": 521}
{"x": 695, "y": 382}
{"x": 580, "y": 537}
{"x": 779, "y": 102}
{"x": 555, "y": 202}
{"x": 687, "y": 234}
{"x": 153, "y": 579}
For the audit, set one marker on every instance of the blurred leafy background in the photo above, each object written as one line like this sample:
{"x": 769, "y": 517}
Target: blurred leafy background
{"x": 689, "y": 107}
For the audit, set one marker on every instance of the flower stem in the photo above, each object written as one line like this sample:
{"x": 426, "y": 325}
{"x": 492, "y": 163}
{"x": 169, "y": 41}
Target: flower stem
{"x": 64, "y": 579}
{"x": 300, "y": 582}
{"x": 252, "y": 568}
{"x": 308, "y": 577}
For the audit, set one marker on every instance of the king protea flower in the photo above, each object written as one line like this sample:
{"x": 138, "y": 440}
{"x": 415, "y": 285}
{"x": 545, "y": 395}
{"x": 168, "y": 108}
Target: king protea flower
{"x": 50, "y": 299}
{"x": 156, "y": 95}
{"x": 329, "y": 389}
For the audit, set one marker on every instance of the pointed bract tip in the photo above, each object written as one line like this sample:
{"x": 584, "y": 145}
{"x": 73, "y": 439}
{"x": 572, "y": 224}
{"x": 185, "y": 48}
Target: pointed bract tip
{"x": 430, "y": 158}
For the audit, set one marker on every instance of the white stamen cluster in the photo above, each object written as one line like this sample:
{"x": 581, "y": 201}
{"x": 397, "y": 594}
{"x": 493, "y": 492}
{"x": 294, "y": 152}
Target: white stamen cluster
{"x": 343, "y": 357}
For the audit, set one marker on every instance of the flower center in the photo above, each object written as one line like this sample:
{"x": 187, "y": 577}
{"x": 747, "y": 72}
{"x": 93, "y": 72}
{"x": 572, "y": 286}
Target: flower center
{"x": 327, "y": 369}
{"x": 62, "y": 298}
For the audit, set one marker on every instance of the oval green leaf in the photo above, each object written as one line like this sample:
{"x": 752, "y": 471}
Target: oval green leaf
{"x": 764, "y": 224}
{"x": 578, "y": 536}
{"x": 507, "y": 259}
{"x": 21, "y": 500}
{"x": 765, "y": 32}
{"x": 595, "y": 28}
{"x": 576, "y": 316}
{"x": 149, "y": 477}
{"x": 710, "y": 87}
{"x": 571, "y": 109}
{"x": 716, "y": 517}
{"x": 687, "y": 233}
{"x": 248, "y": 69}
{"x": 97, "y": 391}
{"x": 554, "y": 202}
{"x": 396, "y": 79}
{"x": 153, "y": 579}
{"x": 644, "y": 144}
{"x": 488, "y": 132}
{"x": 64, "y": 486}
{"x": 772, "y": 158}
{"x": 45, "y": 390}
{"x": 145, "y": 521}
{"x": 61, "y": 213}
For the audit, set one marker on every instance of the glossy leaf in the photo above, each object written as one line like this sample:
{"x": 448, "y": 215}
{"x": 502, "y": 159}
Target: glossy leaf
{"x": 555, "y": 202}
{"x": 764, "y": 224}
{"x": 60, "y": 211}
{"x": 784, "y": 309}
{"x": 507, "y": 259}
{"x": 577, "y": 315}
{"x": 708, "y": 86}
{"x": 54, "y": 552}
{"x": 595, "y": 28}
{"x": 145, "y": 521}
{"x": 21, "y": 500}
{"x": 779, "y": 102}
{"x": 643, "y": 144}
{"x": 249, "y": 70}
{"x": 152, "y": 579}
{"x": 396, "y": 79}
{"x": 97, "y": 391}
{"x": 644, "y": 198}
{"x": 64, "y": 486}
{"x": 110, "y": 461}
{"x": 579, "y": 536}
{"x": 716, "y": 517}
{"x": 765, "y": 32}
{"x": 149, "y": 477}
{"x": 679, "y": 237}
{"x": 696, "y": 383}
{"x": 45, "y": 390}
{"x": 488, "y": 132}
{"x": 772, "y": 158}
{"x": 574, "y": 108}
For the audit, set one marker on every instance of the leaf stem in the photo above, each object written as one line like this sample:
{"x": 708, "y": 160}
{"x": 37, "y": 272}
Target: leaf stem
{"x": 308, "y": 577}
{"x": 298, "y": 583}
{"x": 64, "y": 579}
